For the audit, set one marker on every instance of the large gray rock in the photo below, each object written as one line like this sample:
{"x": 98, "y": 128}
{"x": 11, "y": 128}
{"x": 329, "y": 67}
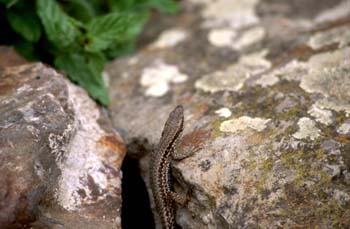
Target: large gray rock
{"x": 60, "y": 158}
{"x": 265, "y": 86}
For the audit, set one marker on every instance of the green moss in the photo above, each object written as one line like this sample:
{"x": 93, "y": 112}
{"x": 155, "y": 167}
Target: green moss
{"x": 341, "y": 118}
{"x": 216, "y": 132}
{"x": 264, "y": 171}
{"x": 306, "y": 199}
{"x": 319, "y": 154}
{"x": 267, "y": 164}
{"x": 252, "y": 164}
{"x": 293, "y": 113}
{"x": 262, "y": 182}
{"x": 313, "y": 208}
{"x": 261, "y": 102}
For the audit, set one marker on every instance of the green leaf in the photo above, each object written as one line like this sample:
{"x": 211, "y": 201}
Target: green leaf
{"x": 6, "y": 1}
{"x": 9, "y": 3}
{"x": 120, "y": 49}
{"x": 25, "y": 23}
{"x": 166, "y": 6}
{"x": 86, "y": 70}
{"x": 57, "y": 24}
{"x": 136, "y": 27}
{"x": 102, "y": 31}
{"x": 26, "y": 49}
{"x": 82, "y": 10}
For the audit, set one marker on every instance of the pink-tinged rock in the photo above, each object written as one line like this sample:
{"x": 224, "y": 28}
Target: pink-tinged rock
{"x": 60, "y": 158}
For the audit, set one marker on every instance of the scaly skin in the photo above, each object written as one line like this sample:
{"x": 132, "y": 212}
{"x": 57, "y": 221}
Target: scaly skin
{"x": 160, "y": 168}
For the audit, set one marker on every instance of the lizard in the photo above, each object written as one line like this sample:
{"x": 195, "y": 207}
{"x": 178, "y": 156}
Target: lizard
{"x": 161, "y": 158}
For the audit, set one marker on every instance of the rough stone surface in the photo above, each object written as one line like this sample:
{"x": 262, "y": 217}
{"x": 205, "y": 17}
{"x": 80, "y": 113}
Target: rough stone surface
{"x": 277, "y": 156}
{"x": 8, "y": 57}
{"x": 60, "y": 158}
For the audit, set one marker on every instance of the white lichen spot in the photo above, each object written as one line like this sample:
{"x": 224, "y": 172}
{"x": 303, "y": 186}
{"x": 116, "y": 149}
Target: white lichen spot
{"x": 327, "y": 60}
{"x": 334, "y": 104}
{"x": 267, "y": 80}
{"x": 200, "y": 1}
{"x": 34, "y": 131}
{"x": 293, "y": 71}
{"x": 28, "y": 112}
{"x": 133, "y": 60}
{"x": 339, "y": 11}
{"x": 256, "y": 62}
{"x": 24, "y": 88}
{"x": 235, "y": 14}
{"x": 307, "y": 129}
{"x": 243, "y": 123}
{"x": 106, "y": 78}
{"x": 158, "y": 89}
{"x": 340, "y": 196}
{"x": 156, "y": 78}
{"x": 223, "y": 112}
{"x": 170, "y": 38}
{"x": 234, "y": 76}
{"x": 249, "y": 37}
{"x": 321, "y": 115}
{"x": 339, "y": 35}
{"x": 58, "y": 143}
{"x": 85, "y": 159}
{"x": 344, "y": 128}
{"x": 329, "y": 76}
{"x": 221, "y": 37}
{"x": 227, "y": 37}
{"x": 232, "y": 79}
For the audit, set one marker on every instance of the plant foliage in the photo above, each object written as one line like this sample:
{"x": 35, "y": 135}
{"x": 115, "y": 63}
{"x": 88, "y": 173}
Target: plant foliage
{"x": 77, "y": 36}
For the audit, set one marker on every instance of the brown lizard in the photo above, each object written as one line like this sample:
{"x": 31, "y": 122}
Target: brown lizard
{"x": 161, "y": 186}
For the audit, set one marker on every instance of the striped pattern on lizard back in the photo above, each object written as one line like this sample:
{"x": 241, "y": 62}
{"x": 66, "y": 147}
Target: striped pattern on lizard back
{"x": 160, "y": 167}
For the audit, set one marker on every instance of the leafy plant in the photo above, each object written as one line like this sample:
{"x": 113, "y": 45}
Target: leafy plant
{"x": 77, "y": 36}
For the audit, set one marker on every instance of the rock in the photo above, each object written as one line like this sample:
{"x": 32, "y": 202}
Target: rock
{"x": 9, "y": 58}
{"x": 60, "y": 158}
{"x": 268, "y": 162}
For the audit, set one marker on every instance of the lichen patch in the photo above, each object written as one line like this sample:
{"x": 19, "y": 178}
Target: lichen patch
{"x": 332, "y": 14}
{"x": 293, "y": 71}
{"x": 170, "y": 38}
{"x": 224, "y": 112}
{"x": 243, "y": 123}
{"x": 333, "y": 104}
{"x": 344, "y": 128}
{"x": 339, "y": 35}
{"x": 156, "y": 78}
{"x": 249, "y": 37}
{"x": 235, "y": 14}
{"x": 200, "y": 1}
{"x": 228, "y": 37}
{"x": 221, "y": 37}
{"x": 84, "y": 165}
{"x": 329, "y": 76}
{"x": 321, "y": 115}
{"x": 267, "y": 80}
{"x": 307, "y": 129}
{"x": 329, "y": 60}
{"x": 234, "y": 76}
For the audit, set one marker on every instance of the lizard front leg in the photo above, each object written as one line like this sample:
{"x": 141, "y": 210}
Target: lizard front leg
{"x": 182, "y": 200}
{"x": 177, "y": 155}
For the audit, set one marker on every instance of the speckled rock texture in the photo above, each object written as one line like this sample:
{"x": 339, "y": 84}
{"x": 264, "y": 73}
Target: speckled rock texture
{"x": 60, "y": 158}
{"x": 265, "y": 86}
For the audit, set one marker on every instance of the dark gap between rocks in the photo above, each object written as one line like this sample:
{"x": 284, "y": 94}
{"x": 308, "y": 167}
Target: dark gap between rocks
{"x": 136, "y": 211}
